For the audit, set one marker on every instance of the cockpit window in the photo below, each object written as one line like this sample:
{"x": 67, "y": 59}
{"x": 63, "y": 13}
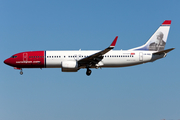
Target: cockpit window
{"x": 13, "y": 56}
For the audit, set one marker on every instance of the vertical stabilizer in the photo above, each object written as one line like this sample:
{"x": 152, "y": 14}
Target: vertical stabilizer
{"x": 158, "y": 40}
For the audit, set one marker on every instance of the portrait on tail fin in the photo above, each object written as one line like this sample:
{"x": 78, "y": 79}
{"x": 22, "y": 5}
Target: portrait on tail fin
{"x": 158, "y": 40}
{"x": 158, "y": 44}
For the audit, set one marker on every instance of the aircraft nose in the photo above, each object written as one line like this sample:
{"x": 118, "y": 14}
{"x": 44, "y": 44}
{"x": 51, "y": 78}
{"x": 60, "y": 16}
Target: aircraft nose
{"x": 7, "y": 62}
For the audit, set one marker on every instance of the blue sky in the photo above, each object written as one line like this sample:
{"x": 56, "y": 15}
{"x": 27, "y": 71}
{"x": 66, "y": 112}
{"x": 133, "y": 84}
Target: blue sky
{"x": 144, "y": 92}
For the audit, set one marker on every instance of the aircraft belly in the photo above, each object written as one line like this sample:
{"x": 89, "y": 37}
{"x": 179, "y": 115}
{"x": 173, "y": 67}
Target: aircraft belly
{"x": 120, "y": 62}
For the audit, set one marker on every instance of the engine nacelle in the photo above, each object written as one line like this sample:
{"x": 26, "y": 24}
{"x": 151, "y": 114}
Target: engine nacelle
{"x": 69, "y": 66}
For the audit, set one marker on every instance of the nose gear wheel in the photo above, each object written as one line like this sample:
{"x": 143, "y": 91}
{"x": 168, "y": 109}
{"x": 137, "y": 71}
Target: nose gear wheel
{"x": 21, "y": 72}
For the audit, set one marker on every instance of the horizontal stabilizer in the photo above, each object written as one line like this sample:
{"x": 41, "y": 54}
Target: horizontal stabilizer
{"x": 164, "y": 51}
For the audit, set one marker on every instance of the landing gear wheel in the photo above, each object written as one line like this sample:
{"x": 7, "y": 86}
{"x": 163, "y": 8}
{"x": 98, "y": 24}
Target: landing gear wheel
{"x": 88, "y": 72}
{"x": 21, "y": 72}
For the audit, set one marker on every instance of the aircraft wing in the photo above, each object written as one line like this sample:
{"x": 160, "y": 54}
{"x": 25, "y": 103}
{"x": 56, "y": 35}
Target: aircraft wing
{"x": 93, "y": 59}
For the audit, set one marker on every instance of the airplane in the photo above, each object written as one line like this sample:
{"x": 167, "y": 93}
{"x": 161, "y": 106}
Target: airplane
{"x": 72, "y": 61}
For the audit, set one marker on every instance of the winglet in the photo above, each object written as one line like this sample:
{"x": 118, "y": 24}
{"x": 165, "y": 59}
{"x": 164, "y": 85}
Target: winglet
{"x": 113, "y": 43}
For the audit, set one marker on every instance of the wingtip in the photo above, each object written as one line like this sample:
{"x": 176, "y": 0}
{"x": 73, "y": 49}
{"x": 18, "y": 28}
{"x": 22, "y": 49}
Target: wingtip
{"x": 114, "y": 42}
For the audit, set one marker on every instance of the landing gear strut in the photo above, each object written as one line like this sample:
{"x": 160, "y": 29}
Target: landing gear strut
{"x": 21, "y": 72}
{"x": 88, "y": 72}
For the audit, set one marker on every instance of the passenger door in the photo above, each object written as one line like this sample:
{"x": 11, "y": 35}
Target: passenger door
{"x": 140, "y": 56}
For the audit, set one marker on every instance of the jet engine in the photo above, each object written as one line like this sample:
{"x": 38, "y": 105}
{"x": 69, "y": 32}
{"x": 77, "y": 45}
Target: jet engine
{"x": 69, "y": 66}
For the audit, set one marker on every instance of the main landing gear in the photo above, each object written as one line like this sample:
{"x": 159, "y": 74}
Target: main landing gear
{"x": 88, "y": 72}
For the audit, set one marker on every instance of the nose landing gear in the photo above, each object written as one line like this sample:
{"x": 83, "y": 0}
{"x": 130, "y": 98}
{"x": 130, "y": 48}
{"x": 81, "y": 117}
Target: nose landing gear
{"x": 21, "y": 72}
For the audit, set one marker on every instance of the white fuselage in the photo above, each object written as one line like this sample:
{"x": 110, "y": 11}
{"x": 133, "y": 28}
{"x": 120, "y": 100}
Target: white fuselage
{"x": 114, "y": 58}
